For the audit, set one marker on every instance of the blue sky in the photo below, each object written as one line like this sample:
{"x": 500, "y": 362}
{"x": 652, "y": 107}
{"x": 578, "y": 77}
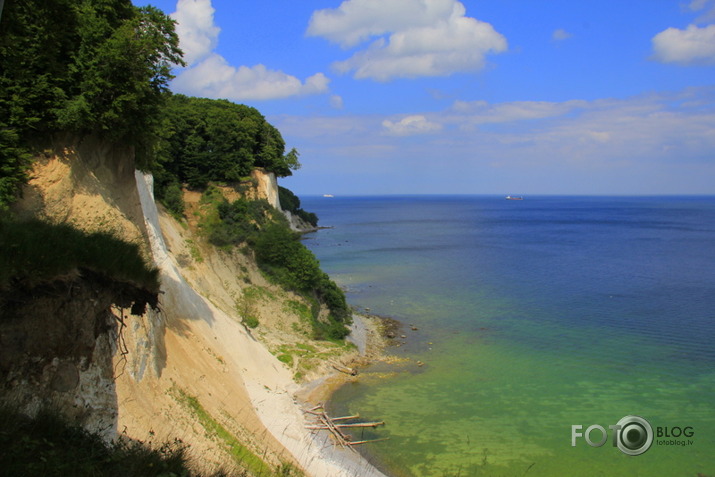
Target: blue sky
{"x": 470, "y": 97}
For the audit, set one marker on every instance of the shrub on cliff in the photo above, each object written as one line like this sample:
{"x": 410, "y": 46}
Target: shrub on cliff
{"x": 282, "y": 256}
{"x": 173, "y": 199}
{"x": 290, "y": 202}
{"x": 280, "y": 253}
{"x": 241, "y": 221}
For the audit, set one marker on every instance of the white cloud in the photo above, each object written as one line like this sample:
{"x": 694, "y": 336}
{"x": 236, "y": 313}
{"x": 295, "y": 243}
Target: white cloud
{"x": 648, "y": 144}
{"x": 356, "y": 21}
{"x": 410, "y": 125}
{"x": 482, "y": 112}
{"x": 215, "y": 78}
{"x": 210, "y": 75}
{"x": 195, "y": 27}
{"x": 412, "y": 38}
{"x": 650, "y": 132}
{"x": 336, "y": 101}
{"x": 694, "y": 45}
{"x": 708, "y": 6}
{"x": 560, "y": 35}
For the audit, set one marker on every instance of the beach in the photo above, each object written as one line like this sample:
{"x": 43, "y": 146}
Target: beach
{"x": 282, "y": 411}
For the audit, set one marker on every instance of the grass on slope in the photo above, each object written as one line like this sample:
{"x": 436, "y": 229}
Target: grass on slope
{"x": 34, "y": 251}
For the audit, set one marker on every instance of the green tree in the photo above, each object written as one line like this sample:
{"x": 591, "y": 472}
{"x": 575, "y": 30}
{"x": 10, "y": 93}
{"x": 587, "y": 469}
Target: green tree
{"x": 120, "y": 73}
{"x": 206, "y": 140}
{"x": 290, "y": 202}
{"x": 83, "y": 67}
{"x": 14, "y": 161}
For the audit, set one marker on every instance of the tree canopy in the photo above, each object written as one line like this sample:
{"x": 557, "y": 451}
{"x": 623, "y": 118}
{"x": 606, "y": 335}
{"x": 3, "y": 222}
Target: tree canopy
{"x": 84, "y": 67}
{"x": 208, "y": 140}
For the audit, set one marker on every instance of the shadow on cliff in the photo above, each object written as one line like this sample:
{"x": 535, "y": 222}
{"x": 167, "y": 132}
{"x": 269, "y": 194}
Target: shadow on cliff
{"x": 58, "y": 340}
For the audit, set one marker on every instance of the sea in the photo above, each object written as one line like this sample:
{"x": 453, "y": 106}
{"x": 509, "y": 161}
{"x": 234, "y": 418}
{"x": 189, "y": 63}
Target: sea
{"x": 530, "y": 329}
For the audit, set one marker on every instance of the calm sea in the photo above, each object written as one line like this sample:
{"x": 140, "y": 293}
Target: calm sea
{"x": 532, "y": 316}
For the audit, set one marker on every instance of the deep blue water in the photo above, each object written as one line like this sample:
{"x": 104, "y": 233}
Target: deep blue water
{"x": 533, "y": 315}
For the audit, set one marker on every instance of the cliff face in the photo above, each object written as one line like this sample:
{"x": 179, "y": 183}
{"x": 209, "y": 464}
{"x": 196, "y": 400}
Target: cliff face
{"x": 59, "y": 340}
{"x": 266, "y": 187}
{"x": 87, "y": 183}
{"x": 75, "y": 344}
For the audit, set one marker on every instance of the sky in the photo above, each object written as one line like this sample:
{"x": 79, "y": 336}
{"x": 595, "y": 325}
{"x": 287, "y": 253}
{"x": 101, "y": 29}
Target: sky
{"x": 595, "y": 97}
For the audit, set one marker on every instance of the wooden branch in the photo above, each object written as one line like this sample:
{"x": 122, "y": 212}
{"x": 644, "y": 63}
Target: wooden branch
{"x": 325, "y": 422}
{"x": 356, "y": 424}
{"x": 354, "y": 443}
{"x": 356, "y": 416}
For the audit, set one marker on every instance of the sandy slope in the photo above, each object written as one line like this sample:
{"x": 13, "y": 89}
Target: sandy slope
{"x": 208, "y": 354}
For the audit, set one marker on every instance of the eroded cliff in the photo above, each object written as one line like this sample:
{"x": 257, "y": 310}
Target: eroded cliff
{"x": 187, "y": 367}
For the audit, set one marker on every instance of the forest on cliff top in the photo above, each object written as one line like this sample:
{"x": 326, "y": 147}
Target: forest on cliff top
{"x": 101, "y": 68}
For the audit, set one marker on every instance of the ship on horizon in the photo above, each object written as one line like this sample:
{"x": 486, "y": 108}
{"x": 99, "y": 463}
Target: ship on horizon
{"x": 513, "y": 197}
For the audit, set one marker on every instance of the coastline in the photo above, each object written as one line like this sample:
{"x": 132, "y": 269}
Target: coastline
{"x": 281, "y": 405}
{"x": 370, "y": 334}
{"x": 248, "y": 375}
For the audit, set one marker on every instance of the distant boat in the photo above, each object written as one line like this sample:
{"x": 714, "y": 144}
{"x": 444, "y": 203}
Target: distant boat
{"x": 512, "y": 197}
{"x": 328, "y": 195}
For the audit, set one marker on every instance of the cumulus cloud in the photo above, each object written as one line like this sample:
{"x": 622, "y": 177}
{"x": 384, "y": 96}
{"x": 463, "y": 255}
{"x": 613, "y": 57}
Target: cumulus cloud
{"x": 196, "y": 29}
{"x": 694, "y": 45}
{"x": 215, "y": 78}
{"x": 210, "y": 75}
{"x": 410, "y": 38}
{"x": 410, "y": 125}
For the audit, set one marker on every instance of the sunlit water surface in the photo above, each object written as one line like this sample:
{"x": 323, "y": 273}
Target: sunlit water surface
{"x": 532, "y": 316}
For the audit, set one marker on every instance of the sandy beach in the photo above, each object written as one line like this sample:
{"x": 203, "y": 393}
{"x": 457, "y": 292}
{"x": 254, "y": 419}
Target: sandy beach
{"x": 282, "y": 412}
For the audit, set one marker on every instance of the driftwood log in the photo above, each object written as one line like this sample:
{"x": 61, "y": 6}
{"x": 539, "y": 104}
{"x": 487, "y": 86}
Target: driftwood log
{"x": 324, "y": 422}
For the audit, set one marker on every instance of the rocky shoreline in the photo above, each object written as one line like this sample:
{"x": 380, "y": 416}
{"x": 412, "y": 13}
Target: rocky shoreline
{"x": 373, "y": 335}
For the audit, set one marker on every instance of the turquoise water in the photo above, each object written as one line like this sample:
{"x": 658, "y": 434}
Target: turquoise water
{"x": 532, "y": 316}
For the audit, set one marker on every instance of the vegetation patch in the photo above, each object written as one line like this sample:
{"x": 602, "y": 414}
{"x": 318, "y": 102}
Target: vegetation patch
{"x": 286, "y": 358}
{"x": 33, "y": 251}
{"x": 286, "y": 261}
{"x": 256, "y": 293}
{"x": 241, "y": 221}
{"x": 280, "y": 255}
{"x": 194, "y": 251}
{"x": 290, "y": 202}
{"x": 242, "y": 456}
{"x": 48, "y": 445}
{"x": 307, "y": 357}
{"x": 99, "y": 68}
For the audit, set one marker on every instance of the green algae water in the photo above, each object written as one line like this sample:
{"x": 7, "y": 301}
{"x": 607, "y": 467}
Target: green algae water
{"x": 532, "y": 316}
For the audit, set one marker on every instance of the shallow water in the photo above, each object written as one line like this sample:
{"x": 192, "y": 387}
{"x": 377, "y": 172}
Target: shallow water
{"x": 533, "y": 316}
